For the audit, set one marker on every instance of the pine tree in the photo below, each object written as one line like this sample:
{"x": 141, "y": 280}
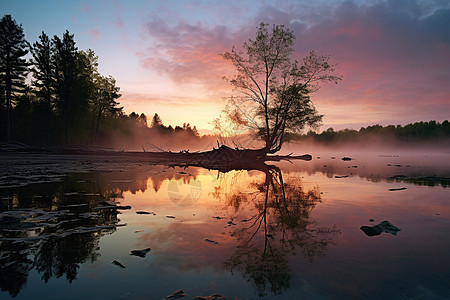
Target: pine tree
{"x": 156, "y": 121}
{"x": 13, "y": 66}
{"x": 43, "y": 83}
{"x": 42, "y": 68}
{"x": 64, "y": 66}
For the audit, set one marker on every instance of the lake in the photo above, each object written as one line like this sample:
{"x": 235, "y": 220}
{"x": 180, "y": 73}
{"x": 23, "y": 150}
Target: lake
{"x": 371, "y": 226}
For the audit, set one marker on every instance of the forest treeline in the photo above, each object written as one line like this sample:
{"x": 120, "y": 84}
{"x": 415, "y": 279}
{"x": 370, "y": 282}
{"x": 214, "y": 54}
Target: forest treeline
{"x": 431, "y": 131}
{"x": 51, "y": 93}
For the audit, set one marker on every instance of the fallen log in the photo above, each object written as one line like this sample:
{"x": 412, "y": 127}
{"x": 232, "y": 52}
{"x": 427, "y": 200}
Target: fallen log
{"x": 222, "y": 158}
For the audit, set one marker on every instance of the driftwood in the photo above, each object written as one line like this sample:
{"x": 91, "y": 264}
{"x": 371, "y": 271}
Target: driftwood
{"x": 224, "y": 158}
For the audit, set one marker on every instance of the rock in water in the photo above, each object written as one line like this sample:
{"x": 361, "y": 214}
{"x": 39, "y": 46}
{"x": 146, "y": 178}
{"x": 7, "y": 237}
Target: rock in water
{"x": 210, "y": 241}
{"x": 118, "y": 263}
{"x": 141, "y": 253}
{"x": 397, "y": 189}
{"x": 378, "y": 229}
{"x": 176, "y": 295}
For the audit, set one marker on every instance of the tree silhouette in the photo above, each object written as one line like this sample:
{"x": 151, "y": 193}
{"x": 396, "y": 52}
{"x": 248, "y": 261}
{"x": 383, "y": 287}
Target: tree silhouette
{"x": 42, "y": 69}
{"x": 64, "y": 65}
{"x": 156, "y": 121}
{"x": 273, "y": 90}
{"x": 43, "y": 83}
{"x": 13, "y": 66}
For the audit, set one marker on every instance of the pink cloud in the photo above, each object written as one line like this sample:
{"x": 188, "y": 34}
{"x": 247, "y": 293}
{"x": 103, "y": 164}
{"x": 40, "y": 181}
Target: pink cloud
{"x": 94, "y": 33}
{"x": 118, "y": 22}
{"x": 85, "y": 7}
{"x": 393, "y": 57}
{"x": 188, "y": 53}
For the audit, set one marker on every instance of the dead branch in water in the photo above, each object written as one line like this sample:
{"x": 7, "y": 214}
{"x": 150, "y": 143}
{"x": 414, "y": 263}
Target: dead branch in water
{"x": 223, "y": 158}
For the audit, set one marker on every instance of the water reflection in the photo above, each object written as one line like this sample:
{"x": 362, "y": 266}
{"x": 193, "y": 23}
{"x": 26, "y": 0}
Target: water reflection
{"x": 53, "y": 228}
{"x": 259, "y": 216}
{"x": 277, "y": 226}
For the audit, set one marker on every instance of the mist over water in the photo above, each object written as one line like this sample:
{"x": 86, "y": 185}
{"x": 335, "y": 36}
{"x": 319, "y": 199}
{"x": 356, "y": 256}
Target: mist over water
{"x": 220, "y": 233}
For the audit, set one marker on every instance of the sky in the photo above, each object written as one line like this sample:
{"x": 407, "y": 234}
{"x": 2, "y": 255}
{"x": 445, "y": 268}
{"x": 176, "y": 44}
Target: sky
{"x": 394, "y": 55}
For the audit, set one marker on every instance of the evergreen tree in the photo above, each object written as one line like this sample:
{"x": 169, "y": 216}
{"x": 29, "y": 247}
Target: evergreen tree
{"x": 143, "y": 120}
{"x": 156, "y": 121}
{"x": 13, "y": 66}
{"x": 43, "y": 84}
{"x": 64, "y": 66}
{"x": 42, "y": 68}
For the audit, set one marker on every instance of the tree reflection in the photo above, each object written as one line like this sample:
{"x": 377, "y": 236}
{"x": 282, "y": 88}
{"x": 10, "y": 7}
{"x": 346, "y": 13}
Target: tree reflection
{"x": 280, "y": 225}
{"x": 52, "y": 229}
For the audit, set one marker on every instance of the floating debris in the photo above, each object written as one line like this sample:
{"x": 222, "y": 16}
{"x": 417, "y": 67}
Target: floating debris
{"x": 231, "y": 223}
{"x": 136, "y": 231}
{"x": 378, "y": 229}
{"x": 212, "y": 297}
{"x": 218, "y": 218}
{"x": 210, "y": 241}
{"x": 397, "y": 189}
{"x": 345, "y": 158}
{"x": 141, "y": 253}
{"x": 341, "y": 176}
{"x": 118, "y": 263}
{"x": 170, "y": 217}
{"x": 145, "y": 213}
{"x": 114, "y": 207}
{"x": 176, "y": 295}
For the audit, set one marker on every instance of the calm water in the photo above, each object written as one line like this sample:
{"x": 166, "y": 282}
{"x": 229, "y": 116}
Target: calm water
{"x": 286, "y": 232}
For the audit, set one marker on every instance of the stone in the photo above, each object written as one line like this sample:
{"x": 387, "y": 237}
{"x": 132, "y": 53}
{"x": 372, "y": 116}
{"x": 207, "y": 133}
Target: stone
{"x": 378, "y": 229}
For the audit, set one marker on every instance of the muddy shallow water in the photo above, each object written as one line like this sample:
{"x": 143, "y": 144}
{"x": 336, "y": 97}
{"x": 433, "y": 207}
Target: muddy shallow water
{"x": 284, "y": 233}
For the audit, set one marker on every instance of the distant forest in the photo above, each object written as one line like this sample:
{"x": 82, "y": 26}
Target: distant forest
{"x": 51, "y": 93}
{"x": 431, "y": 131}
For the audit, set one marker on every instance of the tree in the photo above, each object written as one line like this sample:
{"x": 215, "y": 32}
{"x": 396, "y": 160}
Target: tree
{"x": 104, "y": 101}
{"x": 43, "y": 83}
{"x": 142, "y": 120}
{"x": 274, "y": 90}
{"x": 64, "y": 65}
{"x": 156, "y": 121}
{"x": 13, "y": 66}
{"x": 42, "y": 68}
